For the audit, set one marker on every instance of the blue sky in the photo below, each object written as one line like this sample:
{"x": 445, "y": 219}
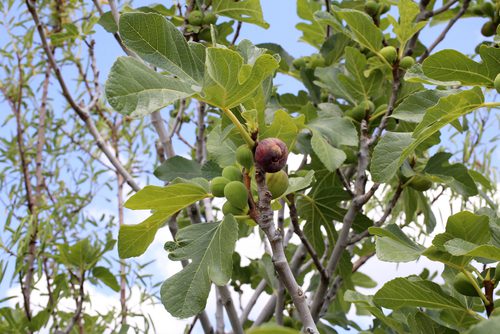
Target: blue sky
{"x": 281, "y": 14}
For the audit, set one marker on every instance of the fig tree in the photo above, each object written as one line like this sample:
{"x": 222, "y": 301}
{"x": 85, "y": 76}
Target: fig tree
{"x": 232, "y": 173}
{"x": 195, "y": 18}
{"x": 462, "y": 285}
{"x": 217, "y": 186}
{"x": 271, "y": 155}
{"x": 244, "y": 156}
{"x": 277, "y": 183}
{"x": 389, "y": 53}
{"x": 236, "y": 193}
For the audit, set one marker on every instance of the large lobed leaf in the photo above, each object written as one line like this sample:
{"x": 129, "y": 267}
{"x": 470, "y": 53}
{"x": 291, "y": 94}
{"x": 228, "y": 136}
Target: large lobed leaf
{"x": 210, "y": 246}
{"x": 133, "y": 240}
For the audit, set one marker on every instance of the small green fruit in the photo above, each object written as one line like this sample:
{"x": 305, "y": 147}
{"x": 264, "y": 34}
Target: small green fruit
{"x": 316, "y": 60}
{"x": 217, "y": 186}
{"x": 488, "y": 9}
{"x": 209, "y": 18}
{"x": 205, "y": 35}
{"x": 407, "y": 62}
{"x": 236, "y": 193}
{"x": 488, "y": 29}
{"x": 420, "y": 183}
{"x": 299, "y": 63}
{"x": 358, "y": 112}
{"x": 277, "y": 183}
{"x": 244, "y": 156}
{"x": 371, "y": 8}
{"x": 195, "y": 18}
{"x": 232, "y": 173}
{"x": 477, "y": 10}
{"x": 389, "y": 53}
{"x": 497, "y": 83}
{"x": 228, "y": 208}
{"x": 462, "y": 285}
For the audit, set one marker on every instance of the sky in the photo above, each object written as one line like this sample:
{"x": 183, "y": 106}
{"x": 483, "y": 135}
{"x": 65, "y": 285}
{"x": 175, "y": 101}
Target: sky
{"x": 281, "y": 14}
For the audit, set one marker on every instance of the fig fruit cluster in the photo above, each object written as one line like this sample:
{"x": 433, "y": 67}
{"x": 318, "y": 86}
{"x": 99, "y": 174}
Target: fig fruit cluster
{"x": 198, "y": 18}
{"x": 309, "y": 62}
{"x": 230, "y": 186}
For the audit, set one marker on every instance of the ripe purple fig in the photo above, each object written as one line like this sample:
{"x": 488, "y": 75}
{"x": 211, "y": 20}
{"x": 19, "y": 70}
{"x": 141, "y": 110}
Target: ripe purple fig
{"x": 271, "y": 155}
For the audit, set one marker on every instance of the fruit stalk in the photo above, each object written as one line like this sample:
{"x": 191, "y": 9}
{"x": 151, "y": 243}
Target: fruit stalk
{"x": 240, "y": 127}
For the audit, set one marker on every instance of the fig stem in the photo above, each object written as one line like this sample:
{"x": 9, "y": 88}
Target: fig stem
{"x": 240, "y": 127}
{"x": 478, "y": 289}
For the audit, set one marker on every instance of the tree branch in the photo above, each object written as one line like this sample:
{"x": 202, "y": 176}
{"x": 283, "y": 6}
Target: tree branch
{"x": 265, "y": 221}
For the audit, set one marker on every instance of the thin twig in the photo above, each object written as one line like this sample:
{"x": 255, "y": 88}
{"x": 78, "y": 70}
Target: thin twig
{"x": 448, "y": 27}
{"x": 83, "y": 113}
{"x": 310, "y": 249}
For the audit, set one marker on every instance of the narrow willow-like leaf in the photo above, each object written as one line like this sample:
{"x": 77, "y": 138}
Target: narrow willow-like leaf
{"x": 210, "y": 246}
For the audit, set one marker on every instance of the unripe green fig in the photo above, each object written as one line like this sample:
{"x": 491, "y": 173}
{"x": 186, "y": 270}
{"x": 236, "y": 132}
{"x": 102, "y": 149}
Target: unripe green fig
{"x": 205, "y": 35}
{"x": 488, "y": 29}
{"x": 406, "y": 62}
{"x": 277, "y": 183}
{"x": 371, "y": 7}
{"x": 497, "y": 83}
{"x": 488, "y": 9}
{"x": 228, "y": 208}
{"x": 385, "y": 8}
{"x": 389, "y": 53}
{"x": 244, "y": 156}
{"x": 357, "y": 113}
{"x": 462, "y": 285}
{"x": 195, "y": 18}
{"x": 271, "y": 155}
{"x": 232, "y": 173}
{"x": 420, "y": 183}
{"x": 236, "y": 193}
{"x": 299, "y": 63}
{"x": 477, "y": 10}
{"x": 368, "y": 106}
{"x": 209, "y": 18}
{"x": 316, "y": 60}
{"x": 217, "y": 186}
